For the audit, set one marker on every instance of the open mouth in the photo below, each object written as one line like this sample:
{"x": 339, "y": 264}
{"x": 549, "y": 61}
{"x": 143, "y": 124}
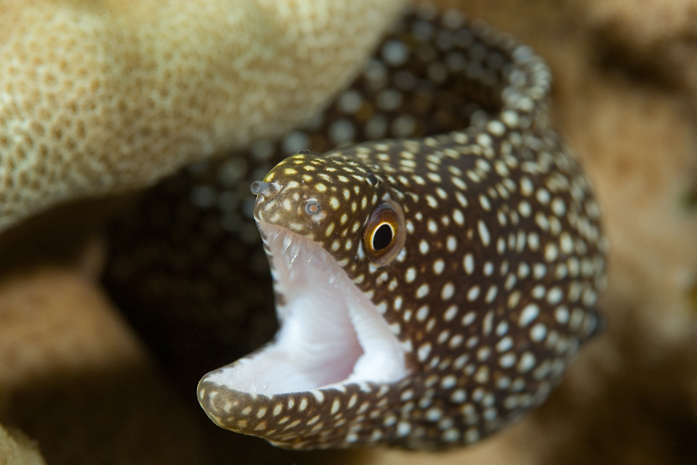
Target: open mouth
{"x": 330, "y": 333}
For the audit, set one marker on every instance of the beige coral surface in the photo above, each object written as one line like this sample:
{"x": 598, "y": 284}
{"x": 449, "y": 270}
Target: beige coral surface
{"x": 100, "y": 97}
{"x": 16, "y": 449}
{"x": 76, "y": 379}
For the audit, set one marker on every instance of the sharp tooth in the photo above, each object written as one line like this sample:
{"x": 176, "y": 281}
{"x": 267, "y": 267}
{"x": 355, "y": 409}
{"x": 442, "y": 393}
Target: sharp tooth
{"x": 287, "y": 241}
{"x": 296, "y": 251}
{"x": 287, "y": 252}
{"x": 310, "y": 256}
{"x": 291, "y": 255}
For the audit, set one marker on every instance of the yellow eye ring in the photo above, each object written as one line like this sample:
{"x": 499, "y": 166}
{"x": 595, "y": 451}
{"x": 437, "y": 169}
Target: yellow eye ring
{"x": 384, "y": 233}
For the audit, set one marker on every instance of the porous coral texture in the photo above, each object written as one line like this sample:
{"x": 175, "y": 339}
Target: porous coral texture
{"x": 99, "y": 97}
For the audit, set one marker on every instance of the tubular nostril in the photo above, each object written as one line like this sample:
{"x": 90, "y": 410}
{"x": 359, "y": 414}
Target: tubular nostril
{"x": 263, "y": 188}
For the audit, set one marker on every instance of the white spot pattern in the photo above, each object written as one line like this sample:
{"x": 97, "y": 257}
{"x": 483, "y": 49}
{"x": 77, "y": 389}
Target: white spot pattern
{"x": 484, "y": 229}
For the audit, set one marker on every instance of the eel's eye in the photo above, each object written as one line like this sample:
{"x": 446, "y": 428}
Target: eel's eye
{"x": 312, "y": 207}
{"x": 384, "y": 234}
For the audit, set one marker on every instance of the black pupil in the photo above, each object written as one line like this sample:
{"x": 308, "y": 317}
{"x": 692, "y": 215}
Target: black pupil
{"x": 382, "y": 237}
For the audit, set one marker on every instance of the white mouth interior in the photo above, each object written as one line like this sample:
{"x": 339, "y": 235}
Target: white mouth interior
{"x": 331, "y": 333}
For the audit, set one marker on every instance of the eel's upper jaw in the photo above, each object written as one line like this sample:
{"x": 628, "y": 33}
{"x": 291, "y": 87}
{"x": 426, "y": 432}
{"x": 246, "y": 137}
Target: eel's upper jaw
{"x": 331, "y": 333}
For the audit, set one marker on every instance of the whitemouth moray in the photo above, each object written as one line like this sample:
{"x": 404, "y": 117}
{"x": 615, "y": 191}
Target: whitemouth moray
{"x": 430, "y": 291}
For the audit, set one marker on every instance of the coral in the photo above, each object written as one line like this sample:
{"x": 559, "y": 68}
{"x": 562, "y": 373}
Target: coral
{"x": 74, "y": 377}
{"x": 101, "y": 97}
{"x": 644, "y": 22}
{"x": 17, "y": 449}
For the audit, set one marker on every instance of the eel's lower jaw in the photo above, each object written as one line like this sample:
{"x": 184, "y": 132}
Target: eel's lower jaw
{"x": 331, "y": 333}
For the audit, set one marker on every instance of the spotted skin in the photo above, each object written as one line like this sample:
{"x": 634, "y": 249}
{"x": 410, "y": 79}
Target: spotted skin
{"x": 492, "y": 293}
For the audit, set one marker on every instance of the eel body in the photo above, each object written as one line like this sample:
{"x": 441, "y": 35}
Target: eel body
{"x": 430, "y": 291}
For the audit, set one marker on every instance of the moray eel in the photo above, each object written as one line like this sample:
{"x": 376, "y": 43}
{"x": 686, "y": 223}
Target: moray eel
{"x": 430, "y": 291}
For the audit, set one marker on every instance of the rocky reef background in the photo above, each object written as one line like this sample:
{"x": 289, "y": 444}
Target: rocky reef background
{"x": 76, "y": 378}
